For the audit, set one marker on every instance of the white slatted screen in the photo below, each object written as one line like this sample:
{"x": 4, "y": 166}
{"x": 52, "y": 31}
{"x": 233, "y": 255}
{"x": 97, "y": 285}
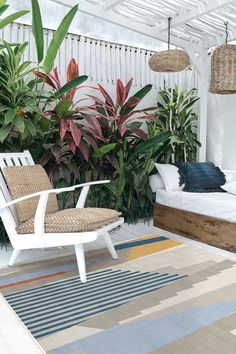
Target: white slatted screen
{"x": 103, "y": 62}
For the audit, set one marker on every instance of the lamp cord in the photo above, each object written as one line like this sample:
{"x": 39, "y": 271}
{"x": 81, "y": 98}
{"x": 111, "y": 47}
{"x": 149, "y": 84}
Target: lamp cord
{"x": 226, "y": 31}
{"x": 169, "y": 20}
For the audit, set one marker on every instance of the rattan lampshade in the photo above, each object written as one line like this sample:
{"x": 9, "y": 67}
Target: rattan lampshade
{"x": 223, "y": 70}
{"x": 169, "y": 61}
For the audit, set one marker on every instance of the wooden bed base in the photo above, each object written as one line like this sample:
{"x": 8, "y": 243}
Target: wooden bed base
{"x": 213, "y": 231}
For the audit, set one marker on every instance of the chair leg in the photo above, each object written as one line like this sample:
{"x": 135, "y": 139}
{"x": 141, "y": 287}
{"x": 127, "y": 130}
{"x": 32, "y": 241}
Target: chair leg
{"x": 79, "y": 251}
{"x": 110, "y": 246}
{"x": 14, "y": 255}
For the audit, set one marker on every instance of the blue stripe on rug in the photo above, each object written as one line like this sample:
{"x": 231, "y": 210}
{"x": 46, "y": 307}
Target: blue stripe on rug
{"x": 49, "y": 310}
{"x": 41, "y": 311}
{"x": 62, "y": 289}
{"x": 156, "y": 333}
{"x": 91, "y": 276}
{"x": 84, "y": 317}
{"x": 140, "y": 242}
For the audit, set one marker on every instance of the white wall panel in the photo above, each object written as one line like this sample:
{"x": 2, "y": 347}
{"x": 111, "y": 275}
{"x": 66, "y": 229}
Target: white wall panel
{"x": 221, "y": 142}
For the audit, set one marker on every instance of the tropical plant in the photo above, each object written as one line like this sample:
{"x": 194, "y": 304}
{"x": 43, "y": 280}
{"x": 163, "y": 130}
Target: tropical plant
{"x": 21, "y": 118}
{"x": 121, "y": 119}
{"x": 59, "y": 35}
{"x": 176, "y": 115}
{"x": 72, "y": 131}
{"x": 10, "y": 18}
{"x": 125, "y": 159}
{"x": 20, "y": 114}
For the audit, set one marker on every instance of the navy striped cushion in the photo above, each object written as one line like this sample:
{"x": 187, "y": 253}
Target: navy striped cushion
{"x": 201, "y": 177}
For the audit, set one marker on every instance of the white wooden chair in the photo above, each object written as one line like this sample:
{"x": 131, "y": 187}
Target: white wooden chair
{"x": 41, "y": 239}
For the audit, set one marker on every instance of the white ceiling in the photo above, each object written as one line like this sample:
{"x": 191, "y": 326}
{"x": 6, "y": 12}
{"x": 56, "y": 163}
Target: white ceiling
{"x": 198, "y": 21}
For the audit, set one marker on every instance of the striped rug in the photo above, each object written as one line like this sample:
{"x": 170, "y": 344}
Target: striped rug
{"x": 53, "y": 307}
{"x": 160, "y": 296}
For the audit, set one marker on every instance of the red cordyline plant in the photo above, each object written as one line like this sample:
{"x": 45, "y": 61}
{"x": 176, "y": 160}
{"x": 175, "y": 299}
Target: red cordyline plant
{"x": 121, "y": 119}
{"x": 78, "y": 130}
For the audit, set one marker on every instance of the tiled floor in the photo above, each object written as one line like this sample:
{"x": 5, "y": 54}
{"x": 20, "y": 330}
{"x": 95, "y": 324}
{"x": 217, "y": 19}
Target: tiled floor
{"x": 126, "y": 232}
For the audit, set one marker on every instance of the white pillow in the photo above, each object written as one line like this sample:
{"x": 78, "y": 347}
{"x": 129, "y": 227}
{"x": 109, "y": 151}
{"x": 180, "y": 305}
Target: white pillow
{"x": 230, "y": 187}
{"x": 230, "y": 175}
{"x": 170, "y": 176}
{"x": 156, "y": 182}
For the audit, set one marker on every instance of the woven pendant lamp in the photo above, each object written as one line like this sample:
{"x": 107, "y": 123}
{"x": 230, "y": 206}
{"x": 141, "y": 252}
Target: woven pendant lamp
{"x": 171, "y": 60}
{"x": 223, "y": 68}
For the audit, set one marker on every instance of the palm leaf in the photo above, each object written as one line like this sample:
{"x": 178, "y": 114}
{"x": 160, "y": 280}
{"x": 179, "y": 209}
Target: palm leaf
{"x": 58, "y": 38}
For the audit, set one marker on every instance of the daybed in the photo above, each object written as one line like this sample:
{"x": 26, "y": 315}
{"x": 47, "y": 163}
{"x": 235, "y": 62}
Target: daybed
{"x": 205, "y": 217}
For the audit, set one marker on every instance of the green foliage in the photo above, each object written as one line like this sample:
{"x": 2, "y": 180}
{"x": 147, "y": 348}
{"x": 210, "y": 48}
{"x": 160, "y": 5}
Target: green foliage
{"x": 37, "y": 28}
{"x": 19, "y": 112}
{"x": 10, "y": 18}
{"x": 126, "y": 159}
{"x": 128, "y": 166}
{"x": 65, "y": 148}
{"x": 57, "y": 39}
{"x": 176, "y": 115}
{"x": 104, "y": 140}
{"x": 70, "y": 85}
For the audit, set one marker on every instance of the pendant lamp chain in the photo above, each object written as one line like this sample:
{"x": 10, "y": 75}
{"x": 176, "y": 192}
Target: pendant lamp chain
{"x": 169, "y": 21}
{"x": 171, "y": 60}
{"x": 226, "y": 31}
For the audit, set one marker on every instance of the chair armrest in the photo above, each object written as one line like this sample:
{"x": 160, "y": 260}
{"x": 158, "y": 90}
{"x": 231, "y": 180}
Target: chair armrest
{"x": 39, "y": 229}
{"x": 50, "y": 191}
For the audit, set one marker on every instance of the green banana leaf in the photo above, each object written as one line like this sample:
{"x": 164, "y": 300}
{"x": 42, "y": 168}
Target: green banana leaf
{"x": 9, "y": 19}
{"x": 143, "y": 92}
{"x": 70, "y": 85}
{"x": 146, "y": 145}
{"x": 58, "y": 38}
{"x": 3, "y": 8}
{"x": 37, "y": 28}
{"x": 104, "y": 150}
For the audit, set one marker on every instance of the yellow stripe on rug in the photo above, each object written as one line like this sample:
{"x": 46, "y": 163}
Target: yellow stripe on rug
{"x": 145, "y": 250}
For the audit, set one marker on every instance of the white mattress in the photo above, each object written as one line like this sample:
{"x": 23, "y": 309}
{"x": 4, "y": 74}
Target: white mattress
{"x": 218, "y": 205}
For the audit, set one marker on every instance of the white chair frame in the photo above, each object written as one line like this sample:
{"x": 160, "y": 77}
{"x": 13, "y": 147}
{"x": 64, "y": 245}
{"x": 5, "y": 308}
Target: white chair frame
{"x": 41, "y": 239}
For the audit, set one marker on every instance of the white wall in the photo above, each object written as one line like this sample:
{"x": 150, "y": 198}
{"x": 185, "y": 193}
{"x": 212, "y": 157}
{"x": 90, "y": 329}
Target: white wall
{"x": 104, "y": 62}
{"x": 221, "y": 141}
